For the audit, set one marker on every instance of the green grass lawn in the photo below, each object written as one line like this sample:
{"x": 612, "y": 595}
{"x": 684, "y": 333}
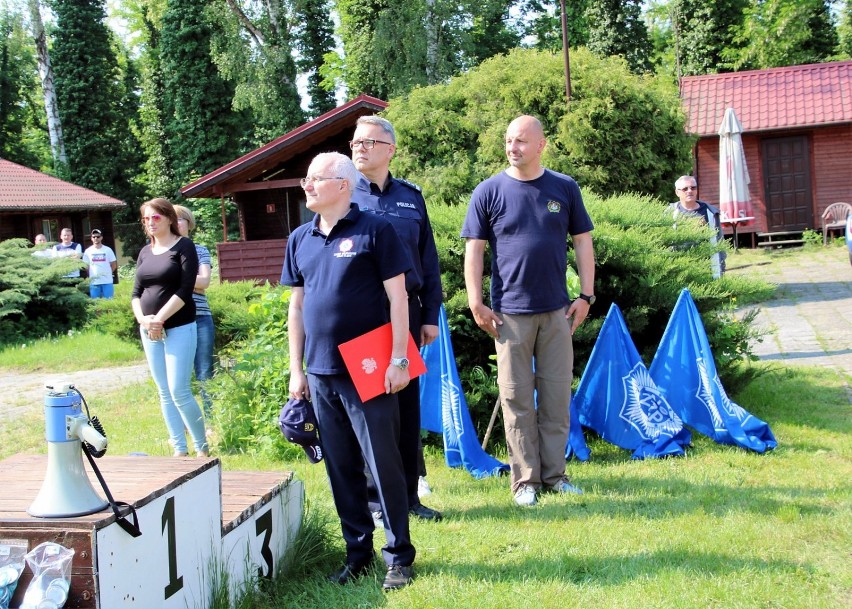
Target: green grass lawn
{"x": 75, "y": 351}
{"x": 721, "y": 527}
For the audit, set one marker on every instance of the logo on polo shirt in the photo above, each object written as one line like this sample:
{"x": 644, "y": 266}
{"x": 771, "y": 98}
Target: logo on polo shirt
{"x": 406, "y": 204}
{"x": 553, "y": 207}
{"x": 345, "y": 248}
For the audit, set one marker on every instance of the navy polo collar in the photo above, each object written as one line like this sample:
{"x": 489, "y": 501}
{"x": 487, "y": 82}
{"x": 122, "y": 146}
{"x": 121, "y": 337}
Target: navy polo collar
{"x": 351, "y": 217}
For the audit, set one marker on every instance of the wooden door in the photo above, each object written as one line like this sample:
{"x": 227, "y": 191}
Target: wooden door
{"x": 787, "y": 183}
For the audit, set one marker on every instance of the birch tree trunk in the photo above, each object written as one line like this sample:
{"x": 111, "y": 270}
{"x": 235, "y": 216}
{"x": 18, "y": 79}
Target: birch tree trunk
{"x": 45, "y": 71}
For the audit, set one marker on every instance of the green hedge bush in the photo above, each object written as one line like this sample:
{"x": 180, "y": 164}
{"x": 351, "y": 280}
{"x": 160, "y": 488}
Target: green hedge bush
{"x": 36, "y": 300}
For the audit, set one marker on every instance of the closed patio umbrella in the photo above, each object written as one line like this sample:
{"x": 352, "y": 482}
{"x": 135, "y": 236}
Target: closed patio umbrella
{"x": 734, "y": 200}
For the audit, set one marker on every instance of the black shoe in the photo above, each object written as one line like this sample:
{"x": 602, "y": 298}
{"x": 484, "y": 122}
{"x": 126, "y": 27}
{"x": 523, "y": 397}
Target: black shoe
{"x": 349, "y": 573}
{"x": 421, "y": 511}
{"x": 397, "y": 577}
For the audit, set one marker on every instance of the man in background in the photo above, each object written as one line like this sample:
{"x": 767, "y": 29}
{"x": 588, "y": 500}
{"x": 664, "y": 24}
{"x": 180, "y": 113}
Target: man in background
{"x": 102, "y": 262}
{"x": 68, "y": 248}
{"x": 689, "y": 205}
{"x": 401, "y": 202}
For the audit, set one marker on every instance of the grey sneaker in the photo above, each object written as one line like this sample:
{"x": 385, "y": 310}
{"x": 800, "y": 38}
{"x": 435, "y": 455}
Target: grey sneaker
{"x": 565, "y": 487}
{"x": 525, "y": 496}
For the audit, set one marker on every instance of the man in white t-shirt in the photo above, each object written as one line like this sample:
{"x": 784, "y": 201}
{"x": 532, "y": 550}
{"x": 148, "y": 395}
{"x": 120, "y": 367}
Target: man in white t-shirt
{"x": 68, "y": 248}
{"x": 101, "y": 261}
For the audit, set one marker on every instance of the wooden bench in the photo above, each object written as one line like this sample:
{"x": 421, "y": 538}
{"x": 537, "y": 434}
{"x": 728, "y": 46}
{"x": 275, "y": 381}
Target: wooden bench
{"x": 780, "y": 239}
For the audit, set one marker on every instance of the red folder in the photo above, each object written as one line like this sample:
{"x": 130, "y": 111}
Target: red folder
{"x": 367, "y": 359}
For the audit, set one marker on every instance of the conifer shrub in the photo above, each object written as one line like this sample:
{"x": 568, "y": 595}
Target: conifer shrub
{"x": 36, "y": 300}
{"x": 642, "y": 262}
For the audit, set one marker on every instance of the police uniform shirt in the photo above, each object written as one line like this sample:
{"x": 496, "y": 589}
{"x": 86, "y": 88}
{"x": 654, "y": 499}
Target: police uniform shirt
{"x": 402, "y": 204}
{"x": 342, "y": 274}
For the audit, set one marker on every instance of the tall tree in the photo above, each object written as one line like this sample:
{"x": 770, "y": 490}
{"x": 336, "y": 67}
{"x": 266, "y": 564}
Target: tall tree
{"x": 542, "y": 23}
{"x": 89, "y": 93}
{"x": 17, "y": 79}
{"x": 51, "y": 105}
{"x": 201, "y": 128}
{"x": 616, "y": 28}
{"x": 704, "y": 28}
{"x": 391, "y": 47}
{"x": 251, "y": 45}
{"x": 314, "y": 39}
{"x": 844, "y": 31}
{"x": 783, "y": 33}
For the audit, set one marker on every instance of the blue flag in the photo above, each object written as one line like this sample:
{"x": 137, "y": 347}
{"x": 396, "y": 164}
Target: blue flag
{"x": 618, "y": 399}
{"x": 685, "y": 372}
{"x": 443, "y": 408}
{"x": 577, "y": 447}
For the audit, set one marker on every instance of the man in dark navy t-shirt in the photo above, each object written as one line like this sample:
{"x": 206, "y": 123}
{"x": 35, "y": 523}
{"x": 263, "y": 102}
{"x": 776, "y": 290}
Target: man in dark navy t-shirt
{"x": 525, "y": 214}
{"x": 345, "y": 266}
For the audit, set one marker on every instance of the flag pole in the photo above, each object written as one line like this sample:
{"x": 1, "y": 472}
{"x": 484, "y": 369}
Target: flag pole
{"x": 491, "y": 423}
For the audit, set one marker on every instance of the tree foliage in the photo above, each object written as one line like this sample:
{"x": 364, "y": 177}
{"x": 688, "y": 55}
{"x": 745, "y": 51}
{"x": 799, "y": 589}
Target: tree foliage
{"x": 35, "y": 298}
{"x": 703, "y": 29}
{"x": 22, "y": 138}
{"x": 779, "y": 33}
{"x": 252, "y": 47}
{"x": 314, "y": 40}
{"x": 616, "y": 29}
{"x": 90, "y": 91}
{"x": 392, "y": 47}
{"x": 202, "y": 130}
{"x": 542, "y": 23}
{"x": 621, "y": 132}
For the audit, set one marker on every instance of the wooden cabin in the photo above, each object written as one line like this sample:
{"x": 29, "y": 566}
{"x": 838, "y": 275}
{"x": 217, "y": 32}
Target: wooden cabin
{"x": 32, "y": 202}
{"x": 797, "y": 137}
{"x": 264, "y": 184}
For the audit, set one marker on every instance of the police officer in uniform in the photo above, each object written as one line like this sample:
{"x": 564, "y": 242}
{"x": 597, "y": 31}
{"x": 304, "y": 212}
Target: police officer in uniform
{"x": 401, "y": 202}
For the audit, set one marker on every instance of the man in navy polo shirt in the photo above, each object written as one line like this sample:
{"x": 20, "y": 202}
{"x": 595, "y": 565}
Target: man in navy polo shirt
{"x": 525, "y": 214}
{"x": 344, "y": 267}
{"x": 401, "y": 203}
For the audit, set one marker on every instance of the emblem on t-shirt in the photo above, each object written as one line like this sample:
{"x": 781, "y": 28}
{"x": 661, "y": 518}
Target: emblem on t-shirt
{"x": 553, "y": 207}
{"x": 369, "y": 365}
{"x": 345, "y": 248}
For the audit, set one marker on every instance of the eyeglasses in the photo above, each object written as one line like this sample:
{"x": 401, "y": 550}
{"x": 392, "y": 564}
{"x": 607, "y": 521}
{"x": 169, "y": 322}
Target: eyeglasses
{"x": 690, "y": 188}
{"x": 153, "y": 217}
{"x": 368, "y": 144}
{"x": 97, "y": 237}
{"x": 311, "y": 179}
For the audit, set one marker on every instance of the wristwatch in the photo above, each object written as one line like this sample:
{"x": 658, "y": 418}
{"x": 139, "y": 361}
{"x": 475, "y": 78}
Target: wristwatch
{"x": 399, "y": 362}
{"x": 590, "y": 299}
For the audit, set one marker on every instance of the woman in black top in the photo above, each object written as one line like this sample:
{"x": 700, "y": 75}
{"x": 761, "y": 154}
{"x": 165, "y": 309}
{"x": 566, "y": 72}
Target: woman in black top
{"x": 162, "y": 303}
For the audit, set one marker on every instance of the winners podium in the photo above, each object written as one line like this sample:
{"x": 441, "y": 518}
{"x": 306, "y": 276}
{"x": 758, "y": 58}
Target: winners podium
{"x": 201, "y": 528}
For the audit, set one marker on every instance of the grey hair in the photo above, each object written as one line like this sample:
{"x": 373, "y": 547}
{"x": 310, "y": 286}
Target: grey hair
{"x": 681, "y": 179}
{"x": 384, "y": 123}
{"x": 341, "y": 166}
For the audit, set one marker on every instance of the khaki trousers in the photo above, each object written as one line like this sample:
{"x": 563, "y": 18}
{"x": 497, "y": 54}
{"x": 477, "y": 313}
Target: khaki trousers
{"x": 536, "y": 438}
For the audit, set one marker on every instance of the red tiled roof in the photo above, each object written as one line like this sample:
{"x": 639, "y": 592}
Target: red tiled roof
{"x": 205, "y": 185}
{"x": 764, "y": 100}
{"x": 24, "y": 189}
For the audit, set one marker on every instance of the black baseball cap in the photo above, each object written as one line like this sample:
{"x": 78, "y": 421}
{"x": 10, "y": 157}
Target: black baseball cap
{"x": 97, "y": 231}
{"x": 298, "y": 423}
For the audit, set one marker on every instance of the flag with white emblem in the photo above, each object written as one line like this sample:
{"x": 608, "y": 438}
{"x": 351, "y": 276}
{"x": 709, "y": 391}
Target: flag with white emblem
{"x": 618, "y": 399}
{"x": 443, "y": 408}
{"x": 685, "y": 372}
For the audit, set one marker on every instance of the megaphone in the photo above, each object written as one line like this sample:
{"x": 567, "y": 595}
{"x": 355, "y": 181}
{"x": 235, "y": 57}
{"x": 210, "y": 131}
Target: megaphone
{"x": 66, "y": 491}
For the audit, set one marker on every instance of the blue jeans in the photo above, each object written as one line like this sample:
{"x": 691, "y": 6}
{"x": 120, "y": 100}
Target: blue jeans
{"x": 170, "y": 361}
{"x": 204, "y": 357}
{"x": 101, "y": 290}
